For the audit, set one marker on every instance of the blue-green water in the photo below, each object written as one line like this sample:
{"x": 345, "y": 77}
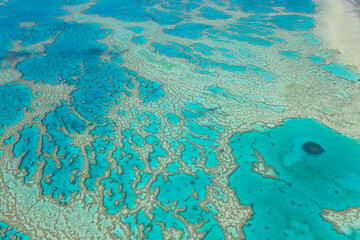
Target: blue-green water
{"x": 9, "y": 232}
{"x": 342, "y": 71}
{"x": 290, "y": 207}
{"x": 136, "y": 119}
{"x": 12, "y": 99}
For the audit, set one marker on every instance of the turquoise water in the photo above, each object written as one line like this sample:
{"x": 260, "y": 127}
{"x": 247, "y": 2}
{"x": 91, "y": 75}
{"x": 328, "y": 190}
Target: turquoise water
{"x": 213, "y": 14}
{"x": 290, "y": 207}
{"x": 9, "y": 232}
{"x": 137, "y": 119}
{"x": 291, "y": 54}
{"x": 316, "y": 59}
{"x": 342, "y": 71}
{"x": 13, "y": 99}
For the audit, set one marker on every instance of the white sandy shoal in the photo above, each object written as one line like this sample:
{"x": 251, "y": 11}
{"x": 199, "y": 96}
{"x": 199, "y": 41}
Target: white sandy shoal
{"x": 338, "y": 23}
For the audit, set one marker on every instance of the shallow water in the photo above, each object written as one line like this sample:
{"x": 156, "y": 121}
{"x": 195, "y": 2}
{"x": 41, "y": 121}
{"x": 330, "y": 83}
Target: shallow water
{"x": 135, "y": 119}
{"x": 291, "y": 205}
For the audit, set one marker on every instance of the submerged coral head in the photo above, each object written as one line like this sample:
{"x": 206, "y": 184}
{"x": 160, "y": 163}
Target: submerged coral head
{"x": 312, "y": 148}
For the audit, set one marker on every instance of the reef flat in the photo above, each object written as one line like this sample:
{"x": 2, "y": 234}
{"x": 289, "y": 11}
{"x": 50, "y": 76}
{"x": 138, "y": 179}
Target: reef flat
{"x": 180, "y": 119}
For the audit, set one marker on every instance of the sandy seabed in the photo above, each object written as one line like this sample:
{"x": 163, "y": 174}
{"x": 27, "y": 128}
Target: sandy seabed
{"x": 340, "y": 27}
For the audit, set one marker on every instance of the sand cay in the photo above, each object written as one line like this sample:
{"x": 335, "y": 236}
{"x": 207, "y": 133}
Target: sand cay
{"x": 340, "y": 28}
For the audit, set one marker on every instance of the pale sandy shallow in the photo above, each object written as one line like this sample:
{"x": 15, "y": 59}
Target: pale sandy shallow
{"x": 339, "y": 26}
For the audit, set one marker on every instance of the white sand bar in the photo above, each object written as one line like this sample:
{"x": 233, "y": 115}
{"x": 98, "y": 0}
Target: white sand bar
{"x": 339, "y": 25}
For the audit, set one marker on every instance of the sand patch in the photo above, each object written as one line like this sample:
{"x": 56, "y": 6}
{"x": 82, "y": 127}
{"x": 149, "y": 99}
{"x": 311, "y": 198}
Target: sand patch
{"x": 339, "y": 25}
